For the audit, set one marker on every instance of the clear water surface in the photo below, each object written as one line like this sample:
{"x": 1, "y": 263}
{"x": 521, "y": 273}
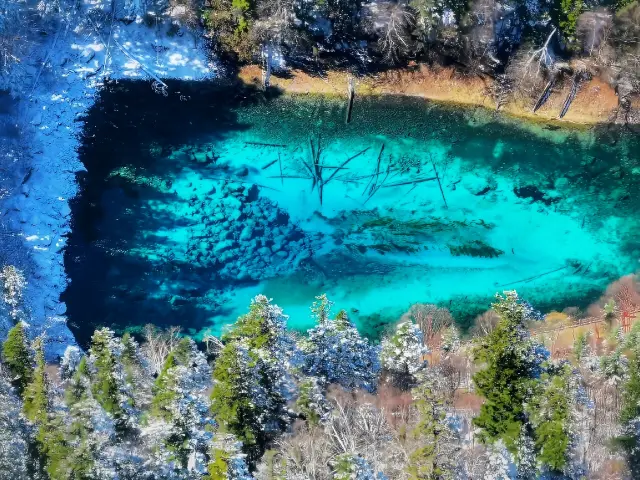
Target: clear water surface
{"x": 193, "y": 203}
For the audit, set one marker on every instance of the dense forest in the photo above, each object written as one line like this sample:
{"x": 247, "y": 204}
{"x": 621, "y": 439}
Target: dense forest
{"x": 520, "y": 47}
{"x": 504, "y": 400}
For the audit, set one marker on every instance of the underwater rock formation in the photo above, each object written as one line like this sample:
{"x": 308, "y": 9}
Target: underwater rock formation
{"x": 245, "y": 236}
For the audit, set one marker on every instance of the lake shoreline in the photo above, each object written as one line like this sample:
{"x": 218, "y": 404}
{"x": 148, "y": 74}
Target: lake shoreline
{"x": 595, "y": 104}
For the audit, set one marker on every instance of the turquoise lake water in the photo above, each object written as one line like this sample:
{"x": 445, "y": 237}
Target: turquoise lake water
{"x": 194, "y": 203}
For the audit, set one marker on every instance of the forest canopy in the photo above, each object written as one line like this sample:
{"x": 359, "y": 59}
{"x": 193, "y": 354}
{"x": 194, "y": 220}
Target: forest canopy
{"x": 509, "y": 399}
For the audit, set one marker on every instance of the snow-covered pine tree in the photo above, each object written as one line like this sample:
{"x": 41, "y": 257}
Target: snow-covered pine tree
{"x": 180, "y": 424}
{"x": 550, "y": 414}
{"x": 90, "y": 430}
{"x": 403, "y": 354}
{"x": 51, "y": 440}
{"x": 70, "y": 361}
{"x": 14, "y": 437}
{"x": 12, "y": 280}
{"x": 251, "y": 382}
{"x": 108, "y": 382}
{"x": 312, "y": 402}
{"x": 227, "y": 460}
{"x": 335, "y": 352}
{"x": 438, "y": 443}
{"x": 17, "y": 357}
{"x": 36, "y": 393}
{"x": 511, "y": 364}
{"x": 630, "y": 415}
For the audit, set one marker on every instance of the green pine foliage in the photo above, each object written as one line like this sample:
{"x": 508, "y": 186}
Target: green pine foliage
{"x": 55, "y": 449}
{"x": 218, "y": 468}
{"x": 51, "y": 436}
{"x": 435, "y": 457}
{"x": 508, "y": 374}
{"x": 79, "y": 402}
{"x": 129, "y": 357}
{"x": 36, "y": 393}
{"x": 231, "y": 400}
{"x": 581, "y": 346}
{"x": 550, "y": 415}
{"x": 164, "y": 394}
{"x": 246, "y": 399}
{"x": 630, "y": 416}
{"x": 568, "y": 12}
{"x": 104, "y": 385}
{"x": 17, "y": 358}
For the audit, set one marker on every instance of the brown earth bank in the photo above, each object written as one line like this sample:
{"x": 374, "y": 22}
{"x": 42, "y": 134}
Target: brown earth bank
{"x": 595, "y": 103}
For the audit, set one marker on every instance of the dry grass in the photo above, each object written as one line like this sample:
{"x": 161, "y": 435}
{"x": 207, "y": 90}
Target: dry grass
{"x": 595, "y": 103}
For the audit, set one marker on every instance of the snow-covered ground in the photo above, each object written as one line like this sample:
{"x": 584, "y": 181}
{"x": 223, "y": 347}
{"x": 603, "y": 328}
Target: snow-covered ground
{"x": 65, "y": 72}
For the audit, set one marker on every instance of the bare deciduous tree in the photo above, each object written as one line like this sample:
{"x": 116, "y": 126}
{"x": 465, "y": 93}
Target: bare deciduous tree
{"x": 356, "y": 426}
{"x": 528, "y": 68}
{"x": 594, "y": 29}
{"x": 485, "y": 323}
{"x": 158, "y": 344}
{"x": 393, "y": 24}
{"x": 431, "y": 319}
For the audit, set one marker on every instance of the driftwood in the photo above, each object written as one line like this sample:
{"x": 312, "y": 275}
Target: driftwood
{"x": 410, "y": 182}
{"x": 440, "y": 185}
{"x": 271, "y": 163}
{"x": 577, "y": 80}
{"x": 546, "y": 93}
{"x": 344, "y": 164}
{"x": 362, "y": 177}
{"x": 351, "y": 92}
{"x": 374, "y": 177}
{"x": 260, "y": 144}
{"x": 289, "y": 176}
{"x": 529, "y": 279}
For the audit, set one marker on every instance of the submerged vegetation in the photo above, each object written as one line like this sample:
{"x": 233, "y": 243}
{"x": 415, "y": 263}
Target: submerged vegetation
{"x": 510, "y": 400}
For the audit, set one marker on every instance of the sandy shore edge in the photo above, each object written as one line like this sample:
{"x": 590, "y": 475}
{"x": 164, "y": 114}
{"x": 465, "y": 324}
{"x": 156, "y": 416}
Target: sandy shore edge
{"x": 596, "y": 102}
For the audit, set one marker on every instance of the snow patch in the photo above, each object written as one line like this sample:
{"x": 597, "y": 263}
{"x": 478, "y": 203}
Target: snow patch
{"x": 76, "y": 65}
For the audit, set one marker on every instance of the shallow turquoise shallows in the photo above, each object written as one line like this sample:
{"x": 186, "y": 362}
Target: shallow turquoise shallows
{"x": 194, "y": 203}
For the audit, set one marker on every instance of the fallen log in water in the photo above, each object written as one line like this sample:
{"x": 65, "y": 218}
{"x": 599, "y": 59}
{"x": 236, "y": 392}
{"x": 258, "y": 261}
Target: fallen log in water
{"x": 351, "y": 91}
{"x": 345, "y": 163}
{"x": 440, "y": 185}
{"x": 529, "y": 279}
{"x": 260, "y": 144}
{"x": 269, "y": 164}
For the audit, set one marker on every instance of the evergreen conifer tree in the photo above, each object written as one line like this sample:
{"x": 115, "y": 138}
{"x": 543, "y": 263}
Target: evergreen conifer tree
{"x": 248, "y": 397}
{"x": 402, "y": 354}
{"x": 164, "y": 393}
{"x": 435, "y": 457}
{"x": 82, "y": 407}
{"x": 104, "y": 384}
{"x": 335, "y": 352}
{"x": 17, "y": 358}
{"x": 36, "y": 393}
{"x": 511, "y": 366}
{"x": 549, "y": 411}
{"x": 630, "y": 415}
{"x": 227, "y": 462}
{"x": 50, "y": 437}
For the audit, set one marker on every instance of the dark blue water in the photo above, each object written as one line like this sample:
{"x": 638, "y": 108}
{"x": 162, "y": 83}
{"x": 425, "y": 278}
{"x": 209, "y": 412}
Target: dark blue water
{"x": 189, "y": 208}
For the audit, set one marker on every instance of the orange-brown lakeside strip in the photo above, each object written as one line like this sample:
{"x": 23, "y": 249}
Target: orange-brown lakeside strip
{"x": 595, "y": 103}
